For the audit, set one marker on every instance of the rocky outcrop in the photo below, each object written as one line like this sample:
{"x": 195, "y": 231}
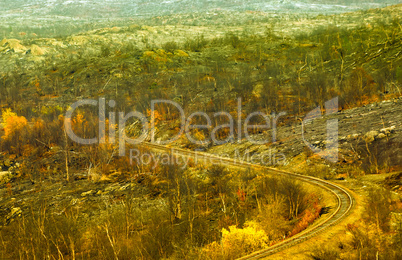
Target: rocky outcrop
{"x": 371, "y": 136}
{"x": 36, "y": 50}
{"x": 389, "y": 130}
{"x": 377, "y": 135}
{"x": 12, "y": 45}
{"x": 15, "y": 46}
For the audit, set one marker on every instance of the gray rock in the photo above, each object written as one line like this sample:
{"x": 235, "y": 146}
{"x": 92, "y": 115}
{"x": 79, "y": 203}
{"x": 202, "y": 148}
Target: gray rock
{"x": 388, "y": 130}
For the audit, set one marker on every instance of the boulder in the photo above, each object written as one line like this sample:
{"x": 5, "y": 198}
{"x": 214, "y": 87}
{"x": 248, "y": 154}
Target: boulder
{"x": 36, "y": 50}
{"x": 371, "y": 136}
{"x": 381, "y": 136}
{"x": 5, "y": 177}
{"x": 13, "y": 45}
{"x": 352, "y": 137}
{"x": 388, "y": 130}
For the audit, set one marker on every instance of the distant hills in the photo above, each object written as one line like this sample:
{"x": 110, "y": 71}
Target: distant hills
{"x": 109, "y": 9}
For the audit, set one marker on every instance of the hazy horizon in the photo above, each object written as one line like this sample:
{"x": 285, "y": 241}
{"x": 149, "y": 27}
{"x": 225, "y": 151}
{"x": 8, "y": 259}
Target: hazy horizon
{"x": 123, "y": 8}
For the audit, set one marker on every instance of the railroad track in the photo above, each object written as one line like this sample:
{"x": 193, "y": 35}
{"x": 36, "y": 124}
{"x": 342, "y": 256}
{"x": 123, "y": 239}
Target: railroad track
{"x": 344, "y": 199}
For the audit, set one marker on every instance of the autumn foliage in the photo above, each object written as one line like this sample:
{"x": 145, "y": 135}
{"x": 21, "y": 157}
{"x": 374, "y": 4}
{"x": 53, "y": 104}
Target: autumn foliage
{"x": 15, "y": 130}
{"x": 308, "y": 216}
{"x": 238, "y": 241}
{"x": 13, "y": 124}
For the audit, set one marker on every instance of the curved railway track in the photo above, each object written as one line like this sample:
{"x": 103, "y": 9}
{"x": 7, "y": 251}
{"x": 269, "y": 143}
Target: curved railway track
{"x": 344, "y": 199}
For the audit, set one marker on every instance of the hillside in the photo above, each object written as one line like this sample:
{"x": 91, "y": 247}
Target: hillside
{"x": 56, "y": 17}
{"x": 95, "y": 202}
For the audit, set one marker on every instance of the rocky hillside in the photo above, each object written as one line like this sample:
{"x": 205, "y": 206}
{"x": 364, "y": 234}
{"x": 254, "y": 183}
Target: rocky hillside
{"x": 370, "y": 141}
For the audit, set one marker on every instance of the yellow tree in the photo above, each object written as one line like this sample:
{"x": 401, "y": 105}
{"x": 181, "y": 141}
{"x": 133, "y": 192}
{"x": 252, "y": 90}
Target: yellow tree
{"x": 237, "y": 242}
{"x": 15, "y": 130}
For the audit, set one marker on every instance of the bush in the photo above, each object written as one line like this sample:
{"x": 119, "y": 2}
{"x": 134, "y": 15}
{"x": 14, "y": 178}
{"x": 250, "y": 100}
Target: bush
{"x": 237, "y": 242}
{"x": 170, "y": 46}
{"x": 15, "y": 131}
{"x": 196, "y": 44}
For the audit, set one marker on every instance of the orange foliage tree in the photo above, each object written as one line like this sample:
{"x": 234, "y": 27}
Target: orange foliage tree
{"x": 15, "y": 131}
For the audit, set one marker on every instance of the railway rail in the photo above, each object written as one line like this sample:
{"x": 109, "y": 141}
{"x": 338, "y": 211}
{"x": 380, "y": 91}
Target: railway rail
{"x": 344, "y": 199}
